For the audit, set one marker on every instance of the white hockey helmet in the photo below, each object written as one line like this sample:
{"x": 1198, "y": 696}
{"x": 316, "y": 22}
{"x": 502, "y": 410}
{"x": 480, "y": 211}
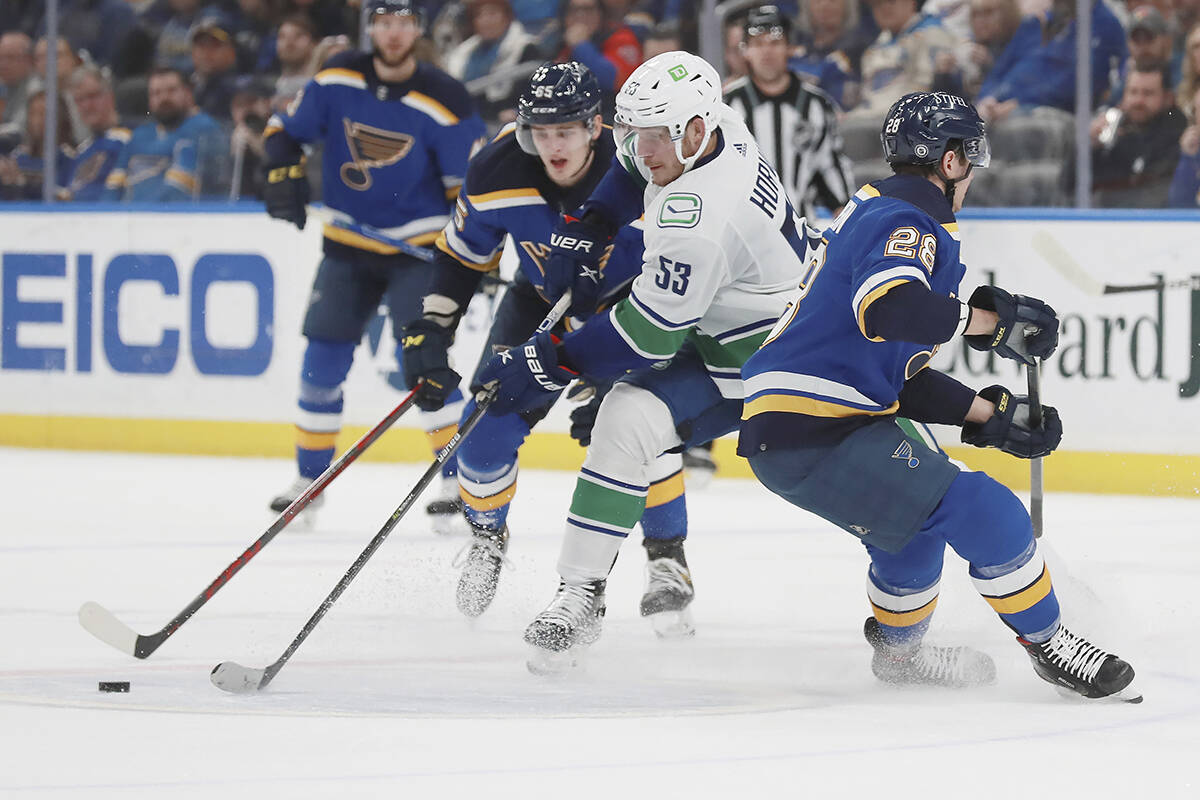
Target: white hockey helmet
{"x": 668, "y": 90}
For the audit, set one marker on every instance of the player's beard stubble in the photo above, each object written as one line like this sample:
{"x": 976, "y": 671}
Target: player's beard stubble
{"x": 396, "y": 58}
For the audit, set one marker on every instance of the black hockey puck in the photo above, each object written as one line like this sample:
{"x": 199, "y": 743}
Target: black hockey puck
{"x": 114, "y": 686}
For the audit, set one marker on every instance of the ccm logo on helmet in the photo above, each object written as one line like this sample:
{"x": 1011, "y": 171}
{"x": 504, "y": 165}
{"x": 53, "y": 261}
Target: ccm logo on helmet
{"x": 569, "y": 243}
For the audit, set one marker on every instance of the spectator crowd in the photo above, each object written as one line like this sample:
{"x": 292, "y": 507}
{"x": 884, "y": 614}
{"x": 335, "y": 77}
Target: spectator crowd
{"x": 163, "y": 100}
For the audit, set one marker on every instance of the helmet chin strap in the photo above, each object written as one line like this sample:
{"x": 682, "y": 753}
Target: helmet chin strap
{"x": 690, "y": 161}
{"x": 951, "y": 183}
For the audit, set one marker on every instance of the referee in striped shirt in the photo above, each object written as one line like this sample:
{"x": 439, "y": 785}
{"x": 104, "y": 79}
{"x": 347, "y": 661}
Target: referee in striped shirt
{"x": 794, "y": 122}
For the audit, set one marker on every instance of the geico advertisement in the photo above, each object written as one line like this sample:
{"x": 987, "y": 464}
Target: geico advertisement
{"x": 176, "y": 316}
{"x": 198, "y": 316}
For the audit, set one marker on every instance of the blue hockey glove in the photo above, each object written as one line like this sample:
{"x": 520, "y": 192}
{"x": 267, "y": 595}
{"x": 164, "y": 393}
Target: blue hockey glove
{"x": 285, "y": 193}
{"x": 576, "y": 250}
{"x": 1008, "y": 428}
{"x": 529, "y": 376}
{"x": 583, "y": 416}
{"x": 1027, "y": 328}
{"x": 425, "y": 347}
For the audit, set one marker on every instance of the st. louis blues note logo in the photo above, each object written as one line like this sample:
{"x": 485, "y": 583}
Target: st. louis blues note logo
{"x": 371, "y": 147}
{"x": 905, "y": 453}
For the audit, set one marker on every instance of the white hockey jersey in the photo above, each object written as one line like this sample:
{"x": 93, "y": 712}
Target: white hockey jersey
{"x": 724, "y": 252}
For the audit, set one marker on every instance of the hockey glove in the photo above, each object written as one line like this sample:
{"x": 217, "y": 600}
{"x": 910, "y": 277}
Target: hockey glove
{"x": 576, "y": 250}
{"x": 583, "y": 417}
{"x": 285, "y": 193}
{"x": 1008, "y": 428}
{"x": 528, "y": 376}
{"x": 425, "y": 347}
{"x": 1027, "y": 328}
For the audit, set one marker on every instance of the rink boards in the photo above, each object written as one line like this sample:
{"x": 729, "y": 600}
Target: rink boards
{"x": 162, "y": 331}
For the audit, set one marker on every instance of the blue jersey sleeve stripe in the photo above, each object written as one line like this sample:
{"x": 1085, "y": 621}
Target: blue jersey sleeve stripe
{"x": 873, "y": 282}
{"x": 659, "y": 318}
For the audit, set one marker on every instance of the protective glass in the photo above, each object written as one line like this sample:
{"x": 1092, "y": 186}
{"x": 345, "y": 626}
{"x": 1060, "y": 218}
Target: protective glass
{"x": 566, "y": 137}
{"x": 638, "y": 142}
{"x": 977, "y": 151}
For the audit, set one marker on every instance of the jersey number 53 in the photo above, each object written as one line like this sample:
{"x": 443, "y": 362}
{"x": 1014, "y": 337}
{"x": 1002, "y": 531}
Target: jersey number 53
{"x": 672, "y": 276}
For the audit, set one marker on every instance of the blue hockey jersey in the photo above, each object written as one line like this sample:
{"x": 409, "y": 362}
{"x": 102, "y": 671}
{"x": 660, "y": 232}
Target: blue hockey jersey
{"x": 160, "y": 165}
{"x": 819, "y": 362}
{"x": 507, "y": 192}
{"x": 394, "y": 154}
{"x": 94, "y": 162}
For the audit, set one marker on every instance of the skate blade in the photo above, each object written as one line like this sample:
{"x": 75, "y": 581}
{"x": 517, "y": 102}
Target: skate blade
{"x": 549, "y": 664}
{"x": 1127, "y": 695}
{"x": 673, "y": 624}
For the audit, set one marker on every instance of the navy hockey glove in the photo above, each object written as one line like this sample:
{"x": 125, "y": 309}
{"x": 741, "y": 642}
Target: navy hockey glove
{"x": 285, "y": 193}
{"x": 576, "y": 249}
{"x": 529, "y": 375}
{"x": 425, "y": 347}
{"x": 1008, "y": 428}
{"x": 1027, "y": 328}
{"x": 583, "y": 417}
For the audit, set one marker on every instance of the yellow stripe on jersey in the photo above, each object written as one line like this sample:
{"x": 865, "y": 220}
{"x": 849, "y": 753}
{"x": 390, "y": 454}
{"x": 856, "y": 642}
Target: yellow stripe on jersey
{"x": 874, "y": 295}
{"x": 115, "y": 179}
{"x": 904, "y": 619}
{"x": 310, "y": 440}
{"x": 271, "y": 130}
{"x": 426, "y": 104}
{"x": 423, "y": 239}
{"x": 342, "y": 77}
{"x": 501, "y": 498}
{"x": 488, "y": 266}
{"x": 352, "y": 239}
{"x": 664, "y": 491}
{"x": 866, "y": 192}
{"x": 795, "y": 404}
{"x": 1023, "y": 600}
{"x": 505, "y": 198}
{"x": 184, "y": 180}
{"x": 952, "y": 229}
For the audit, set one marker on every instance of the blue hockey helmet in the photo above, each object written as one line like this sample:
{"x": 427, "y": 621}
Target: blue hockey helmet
{"x": 920, "y": 126}
{"x": 769, "y": 20}
{"x": 557, "y": 93}
{"x": 408, "y": 8}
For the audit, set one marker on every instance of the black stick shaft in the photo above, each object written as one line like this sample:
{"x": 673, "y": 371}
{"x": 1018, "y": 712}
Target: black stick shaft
{"x": 148, "y": 644}
{"x": 482, "y": 401}
{"x": 1033, "y": 382}
{"x": 434, "y": 469}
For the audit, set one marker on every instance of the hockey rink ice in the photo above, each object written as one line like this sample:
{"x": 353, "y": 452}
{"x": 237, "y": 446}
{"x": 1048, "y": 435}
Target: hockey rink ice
{"x": 396, "y": 695}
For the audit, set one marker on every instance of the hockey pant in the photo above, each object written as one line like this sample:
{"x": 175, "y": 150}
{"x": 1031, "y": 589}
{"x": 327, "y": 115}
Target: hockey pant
{"x": 984, "y": 522}
{"x": 346, "y": 295}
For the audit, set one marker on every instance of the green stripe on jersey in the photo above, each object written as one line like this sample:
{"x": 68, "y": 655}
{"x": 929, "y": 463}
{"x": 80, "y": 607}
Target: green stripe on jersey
{"x": 651, "y": 340}
{"x": 601, "y": 504}
{"x": 730, "y": 355}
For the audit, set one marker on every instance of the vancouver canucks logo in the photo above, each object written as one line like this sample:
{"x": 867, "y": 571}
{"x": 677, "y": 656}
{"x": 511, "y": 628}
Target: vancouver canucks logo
{"x": 905, "y": 453}
{"x": 371, "y": 147}
{"x": 679, "y": 210}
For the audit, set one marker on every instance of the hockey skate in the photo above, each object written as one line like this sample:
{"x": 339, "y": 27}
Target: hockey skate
{"x": 699, "y": 466}
{"x": 669, "y": 590}
{"x": 927, "y": 665}
{"x": 569, "y": 624}
{"x": 1073, "y": 664}
{"x": 308, "y": 516}
{"x": 480, "y": 560}
{"x": 446, "y": 512}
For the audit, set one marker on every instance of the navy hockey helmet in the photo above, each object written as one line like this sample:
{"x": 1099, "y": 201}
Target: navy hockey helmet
{"x": 557, "y": 93}
{"x": 408, "y": 8}
{"x": 767, "y": 20}
{"x": 920, "y": 126}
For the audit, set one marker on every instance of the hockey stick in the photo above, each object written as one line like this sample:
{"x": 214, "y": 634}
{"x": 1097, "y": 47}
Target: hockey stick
{"x": 1033, "y": 383}
{"x": 229, "y": 676}
{"x": 1057, "y": 256}
{"x": 329, "y": 216}
{"x": 101, "y": 623}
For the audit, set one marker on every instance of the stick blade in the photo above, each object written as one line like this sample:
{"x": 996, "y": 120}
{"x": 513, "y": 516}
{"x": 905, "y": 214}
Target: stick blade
{"x": 229, "y": 676}
{"x": 100, "y": 622}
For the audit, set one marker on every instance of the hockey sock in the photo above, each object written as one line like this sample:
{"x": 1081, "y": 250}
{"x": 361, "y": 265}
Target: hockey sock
{"x": 439, "y": 438}
{"x": 487, "y": 497}
{"x": 665, "y": 516}
{"x": 1022, "y": 594}
{"x": 320, "y": 421}
{"x": 903, "y": 613}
